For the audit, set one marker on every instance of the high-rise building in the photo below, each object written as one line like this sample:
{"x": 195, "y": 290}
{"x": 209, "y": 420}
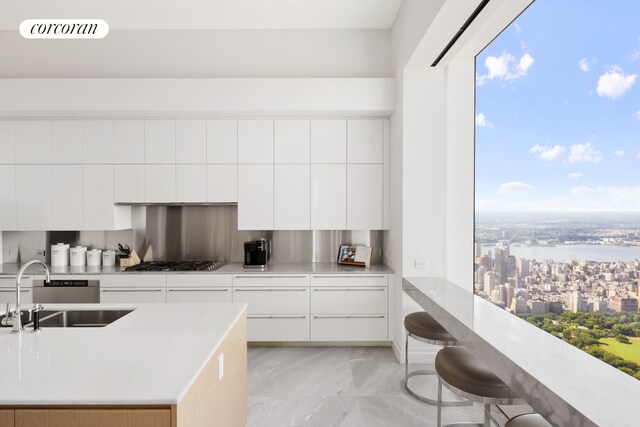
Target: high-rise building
{"x": 490, "y": 282}
{"x": 523, "y": 267}
{"x": 477, "y": 250}
{"x": 502, "y": 256}
{"x": 539, "y": 307}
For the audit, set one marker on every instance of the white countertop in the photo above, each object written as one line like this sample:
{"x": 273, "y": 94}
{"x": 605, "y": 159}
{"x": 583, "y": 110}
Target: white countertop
{"x": 150, "y": 356}
{"x": 230, "y": 268}
{"x": 562, "y": 383}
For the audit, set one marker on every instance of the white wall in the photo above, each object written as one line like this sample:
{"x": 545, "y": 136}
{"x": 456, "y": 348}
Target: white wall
{"x": 201, "y": 54}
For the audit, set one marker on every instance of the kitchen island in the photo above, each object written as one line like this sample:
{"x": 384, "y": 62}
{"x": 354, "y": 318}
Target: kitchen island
{"x": 160, "y": 365}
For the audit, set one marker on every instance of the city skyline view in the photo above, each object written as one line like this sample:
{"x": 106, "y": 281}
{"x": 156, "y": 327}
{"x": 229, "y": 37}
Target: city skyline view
{"x": 558, "y": 111}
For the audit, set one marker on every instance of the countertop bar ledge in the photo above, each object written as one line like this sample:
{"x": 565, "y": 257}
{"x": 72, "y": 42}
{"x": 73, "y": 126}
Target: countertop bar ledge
{"x": 562, "y": 383}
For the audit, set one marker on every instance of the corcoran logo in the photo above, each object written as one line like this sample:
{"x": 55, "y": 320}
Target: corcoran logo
{"x": 64, "y": 29}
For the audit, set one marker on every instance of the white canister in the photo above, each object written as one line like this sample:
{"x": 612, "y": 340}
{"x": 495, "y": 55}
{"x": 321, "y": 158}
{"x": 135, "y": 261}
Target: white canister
{"x": 108, "y": 258}
{"x": 78, "y": 256}
{"x": 59, "y": 255}
{"x": 94, "y": 257}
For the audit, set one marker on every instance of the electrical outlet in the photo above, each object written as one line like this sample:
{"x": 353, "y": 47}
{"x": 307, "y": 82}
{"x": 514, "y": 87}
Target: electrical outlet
{"x": 220, "y": 366}
{"x": 420, "y": 264}
{"x": 41, "y": 252}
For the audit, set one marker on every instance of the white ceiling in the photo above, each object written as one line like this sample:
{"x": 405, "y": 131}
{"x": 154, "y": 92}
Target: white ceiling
{"x": 210, "y": 14}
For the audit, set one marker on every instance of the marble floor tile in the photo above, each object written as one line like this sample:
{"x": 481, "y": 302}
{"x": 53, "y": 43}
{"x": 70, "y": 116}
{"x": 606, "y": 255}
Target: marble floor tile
{"x": 312, "y": 411}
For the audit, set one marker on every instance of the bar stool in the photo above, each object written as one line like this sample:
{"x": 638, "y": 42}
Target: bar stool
{"x": 422, "y": 327}
{"x": 461, "y": 372}
{"x": 527, "y": 420}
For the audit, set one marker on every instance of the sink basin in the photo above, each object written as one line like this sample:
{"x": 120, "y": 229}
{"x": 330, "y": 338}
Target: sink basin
{"x": 73, "y": 318}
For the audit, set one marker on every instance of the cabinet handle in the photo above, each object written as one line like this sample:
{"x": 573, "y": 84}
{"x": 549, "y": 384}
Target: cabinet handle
{"x": 131, "y": 290}
{"x": 348, "y": 317}
{"x": 198, "y": 290}
{"x": 276, "y": 317}
{"x": 13, "y": 291}
{"x": 261, "y": 276}
{"x": 348, "y": 289}
{"x": 366, "y": 276}
{"x": 270, "y": 290}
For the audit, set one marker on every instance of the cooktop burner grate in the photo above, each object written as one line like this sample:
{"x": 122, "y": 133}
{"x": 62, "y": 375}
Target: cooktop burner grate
{"x": 176, "y": 266}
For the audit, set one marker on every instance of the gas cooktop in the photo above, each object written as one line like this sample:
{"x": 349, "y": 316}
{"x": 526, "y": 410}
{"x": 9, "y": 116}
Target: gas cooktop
{"x": 176, "y": 266}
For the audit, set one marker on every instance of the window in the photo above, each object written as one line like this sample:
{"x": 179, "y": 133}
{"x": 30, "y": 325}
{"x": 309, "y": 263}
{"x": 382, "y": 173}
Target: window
{"x": 557, "y": 182}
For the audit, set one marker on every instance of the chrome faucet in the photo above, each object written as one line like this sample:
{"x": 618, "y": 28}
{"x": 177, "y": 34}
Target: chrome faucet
{"x": 17, "y": 320}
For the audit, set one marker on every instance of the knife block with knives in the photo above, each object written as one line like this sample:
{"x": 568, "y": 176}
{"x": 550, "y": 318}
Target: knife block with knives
{"x": 127, "y": 256}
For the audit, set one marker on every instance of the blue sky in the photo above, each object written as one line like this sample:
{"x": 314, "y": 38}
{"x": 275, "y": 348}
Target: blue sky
{"x": 558, "y": 110}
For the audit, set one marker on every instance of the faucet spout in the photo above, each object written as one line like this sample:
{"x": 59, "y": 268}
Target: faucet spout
{"x": 17, "y": 319}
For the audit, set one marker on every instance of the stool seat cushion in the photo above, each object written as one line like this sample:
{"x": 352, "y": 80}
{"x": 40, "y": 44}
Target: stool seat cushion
{"x": 424, "y": 326}
{"x": 459, "y": 368}
{"x": 527, "y": 420}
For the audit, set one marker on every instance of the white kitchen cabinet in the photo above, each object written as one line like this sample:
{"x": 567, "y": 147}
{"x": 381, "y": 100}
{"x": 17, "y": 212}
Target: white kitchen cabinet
{"x": 328, "y": 197}
{"x": 352, "y": 300}
{"x": 255, "y": 141}
{"x": 68, "y": 197}
{"x": 33, "y": 142}
{"x": 7, "y": 142}
{"x": 349, "y": 280}
{"x": 255, "y": 197}
{"x": 198, "y": 295}
{"x": 365, "y": 142}
{"x": 270, "y": 280}
{"x": 133, "y": 294}
{"x": 33, "y": 197}
{"x": 349, "y": 327}
{"x": 8, "y": 295}
{"x": 191, "y": 141}
{"x": 277, "y": 328}
{"x": 222, "y": 141}
{"x": 160, "y": 183}
{"x": 222, "y": 183}
{"x": 191, "y": 183}
{"x": 66, "y": 140}
{"x": 97, "y": 142}
{"x": 291, "y": 142}
{"x": 328, "y": 141}
{"x": 128, "y": 141}
{"x": 99, "y": 210}
{"x": 365, "y": 196}
{"x": 129, "y": 183}
{"x": 135, "y": 280}
{"x": 291, "y": 203}
{"x": 8, "y": 197}
{"x": 199, "y": 280}
{"x": 273, "y": 300}
{"x": 160, "y": 142}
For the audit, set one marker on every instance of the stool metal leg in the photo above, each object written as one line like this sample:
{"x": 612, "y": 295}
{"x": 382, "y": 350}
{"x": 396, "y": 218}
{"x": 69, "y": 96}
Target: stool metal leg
{"x": 439, "y": 403}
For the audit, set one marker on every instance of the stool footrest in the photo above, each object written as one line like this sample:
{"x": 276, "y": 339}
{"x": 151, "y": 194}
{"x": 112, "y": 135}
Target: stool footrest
{"x": 426, "y": 399}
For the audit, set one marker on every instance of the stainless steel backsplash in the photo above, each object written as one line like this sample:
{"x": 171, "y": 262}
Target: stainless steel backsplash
{"x": 193, "y": 233}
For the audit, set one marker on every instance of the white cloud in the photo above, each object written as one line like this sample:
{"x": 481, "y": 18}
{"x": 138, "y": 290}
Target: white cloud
{"x": 614, "y": 83}
{"x": 546, "y": 153}
{"x": 505, "y": 67}
{"x": 518, "y": 28}
{"x": 638, "y": 156}
{"x": 574, "y": 175}
{"x": 482, "y": 121}
{"x": 637, "y": 115}
{"x": 514, "y": 188}
{"x": 625, "y": 194}
{"x": 619, "y": 153}
{"x": 584, "y": 153}
{"x": 583, "y": 64}
{"x": 581, "y": 190}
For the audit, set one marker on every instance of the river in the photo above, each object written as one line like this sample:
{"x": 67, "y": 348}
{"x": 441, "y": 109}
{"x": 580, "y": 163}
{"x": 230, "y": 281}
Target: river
{"x": 572, "y": 252}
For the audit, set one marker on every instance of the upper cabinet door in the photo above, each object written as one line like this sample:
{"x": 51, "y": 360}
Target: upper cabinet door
{"x": 328, "y": 141}
{"x": 98, "y": 197}
{"x": 292, "y": 141}
{"x": 7, "y": 197}
{"x": 365, "y": 143}
{"x": 66, "y": 138}
{"x": 33, "y": 197}
{"x": 365, "y": 195}
{"x": 33, "y": 142}
{"x": 328, "y": 197}
{"x": 128, "y": 141}
{"x": 255, "y": 197}
{"x": 191, "y": 141}
{"x": 255, "y": 141}
{"x": 97, "y": 141}
{"x": 160, "y": 183}
{"x": 222, "y": 141}
{"x": 222, "y": 183}
{"x": 160, "y": 142}
{"x": 129, "y": 183}
{"x": 7, "y": 142}
{"x": 68, "y": 197}
{"x": 291, "y": 199}
{"x": 191, "y": 183}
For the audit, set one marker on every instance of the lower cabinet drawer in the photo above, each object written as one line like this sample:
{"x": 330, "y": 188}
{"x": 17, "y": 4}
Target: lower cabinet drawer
{"x": 9, "y": 295}
{"x": 131, "y": 294}
{"x": 349, "y": 327}
{"x": 198, "y": 294}
{"x": 277, "y": 328}
{"x": 282, "y": 300}
{"x": 356, "y": 300}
